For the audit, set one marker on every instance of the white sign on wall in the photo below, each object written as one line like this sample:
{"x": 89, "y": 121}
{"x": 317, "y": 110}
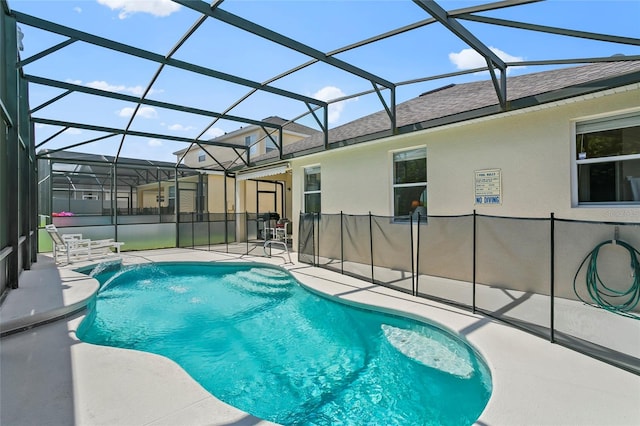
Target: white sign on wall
{"x": 488, "y": 184}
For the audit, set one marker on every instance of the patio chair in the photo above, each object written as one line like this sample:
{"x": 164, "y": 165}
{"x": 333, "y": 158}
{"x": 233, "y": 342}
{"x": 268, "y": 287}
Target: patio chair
{"x": 73, "y": 246}
{"x": 281, "y": 233}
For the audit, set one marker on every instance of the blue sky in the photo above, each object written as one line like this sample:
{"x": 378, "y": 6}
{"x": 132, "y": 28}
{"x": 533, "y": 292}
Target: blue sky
{"x": 324, "y": 25}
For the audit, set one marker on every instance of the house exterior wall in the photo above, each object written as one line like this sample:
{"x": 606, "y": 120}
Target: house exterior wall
{"x": 535, "y": 153}
{"x": 225, "y": 155}
{"x": 533, "y": 149}
{"x": 221, "y": 154}
{"x": 215, "y": 194}
{"x": 148, "y": 195}
{"x": 247, "y": 196}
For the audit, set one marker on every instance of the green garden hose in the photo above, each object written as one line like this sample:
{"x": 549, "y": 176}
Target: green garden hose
{"x": 604, "y": 296}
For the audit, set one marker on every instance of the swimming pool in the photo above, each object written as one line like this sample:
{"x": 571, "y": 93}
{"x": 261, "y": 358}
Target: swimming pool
{"x": 257, "y": 340}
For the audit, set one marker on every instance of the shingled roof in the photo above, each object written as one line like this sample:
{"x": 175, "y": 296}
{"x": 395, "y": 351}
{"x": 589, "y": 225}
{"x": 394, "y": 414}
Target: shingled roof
{"x": 462, "y": 102}
{"x": 291, "y": 126}
{"x": 287, "y": 126}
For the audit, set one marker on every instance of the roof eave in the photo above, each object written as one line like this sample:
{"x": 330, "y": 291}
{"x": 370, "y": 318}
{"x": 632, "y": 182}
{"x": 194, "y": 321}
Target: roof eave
{"x": 514, "y": 105}
{"x": 532, "y": 101}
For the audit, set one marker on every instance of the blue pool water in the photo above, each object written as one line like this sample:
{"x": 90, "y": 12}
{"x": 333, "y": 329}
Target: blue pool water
{"x": 256, "y": 339}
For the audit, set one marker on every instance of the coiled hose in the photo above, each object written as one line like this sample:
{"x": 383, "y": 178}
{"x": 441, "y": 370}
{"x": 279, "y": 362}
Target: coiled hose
{"x": 604, "y": 296}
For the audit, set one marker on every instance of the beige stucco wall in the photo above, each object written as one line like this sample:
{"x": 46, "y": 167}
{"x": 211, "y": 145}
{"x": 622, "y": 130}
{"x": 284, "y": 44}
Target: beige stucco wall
{"x": 246, "y": 195}
{"x": 533, "y": 150}
{"x": 215, "y": 194}
{"x": 224, "y": 155}
{"x": 148, "y": 194}
{"x": 263, "y": 140}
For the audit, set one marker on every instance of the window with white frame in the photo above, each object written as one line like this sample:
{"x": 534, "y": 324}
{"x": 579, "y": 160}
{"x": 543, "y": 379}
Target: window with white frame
{"x": 201, "y": 156}
{"x": 410, "y": 182}
{"x": 312, "y": 189}
{"x": 608, "y": 160}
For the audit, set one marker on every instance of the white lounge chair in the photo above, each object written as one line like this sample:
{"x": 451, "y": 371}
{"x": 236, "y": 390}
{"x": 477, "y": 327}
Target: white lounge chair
{"x": 74, "y": 247}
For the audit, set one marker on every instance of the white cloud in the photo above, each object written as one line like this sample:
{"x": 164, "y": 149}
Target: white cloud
{"x": 154, "y": 142}
{"x": 73, "y": 131}
{"x": 103, "y": 85}
{"x": 328, "y": 93}
{"x": 144, "y": 112}
{"x": 77, "y": 10}
{"x": 78, "y": 82}
{"x": 126, "y": 112}
{"x": 469, "y": 58}
{"x": 127, "y": 8}
{"x": 179, "y": 128}
{"x": 213, "y": 132}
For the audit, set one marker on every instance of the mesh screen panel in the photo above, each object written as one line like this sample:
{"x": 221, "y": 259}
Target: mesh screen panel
{"x": 513, "y": 271}
{"x": 237, "y": 229}
{"x": 146, "y": 236}
{"x": 232, "y": 228}
{"x": 328, "y": 238}
{"x": 575, "y": 240}
{"x": 584, "y": 325}
{"x": 306, "y": 240}
{"x": 185, "y": 235}
{"x": 253, "y": 226}
{"x": 168, "y": 218}
{"x": 200, "y": 234}
{"x": 357, "y": 246}
{"x": 216, "y": 231}
{"x": 392, "y": 253}
{"x": 445, "y": 259}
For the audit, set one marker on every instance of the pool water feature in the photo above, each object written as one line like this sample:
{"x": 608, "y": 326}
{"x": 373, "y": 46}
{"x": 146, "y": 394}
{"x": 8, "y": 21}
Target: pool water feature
{"x": 256, "y": 339}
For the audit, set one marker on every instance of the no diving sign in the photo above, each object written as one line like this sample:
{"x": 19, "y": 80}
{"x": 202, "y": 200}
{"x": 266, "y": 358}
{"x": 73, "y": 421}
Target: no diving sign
{"x": 488, "y": 186}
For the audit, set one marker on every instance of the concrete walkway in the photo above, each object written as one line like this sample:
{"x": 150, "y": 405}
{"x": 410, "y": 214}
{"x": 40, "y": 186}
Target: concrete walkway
{"x": 49, "y": 377}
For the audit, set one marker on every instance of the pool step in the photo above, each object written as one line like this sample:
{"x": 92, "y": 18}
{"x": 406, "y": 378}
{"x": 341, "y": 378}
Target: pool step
{"x": 429, "y": 351}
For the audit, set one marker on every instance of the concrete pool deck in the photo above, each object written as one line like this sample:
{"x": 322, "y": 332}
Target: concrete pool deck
{"x": 48, "y": 376}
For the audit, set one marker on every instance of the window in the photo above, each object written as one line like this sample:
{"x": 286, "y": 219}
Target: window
{"x": 172, "y": 197}
{"x": 410, "y": 182}
{"x": 201, "y": 156}
{"x": 270, "y": 145}
{"x": 608, "y": 160}
{"x": 249, "y": 141}
{"x": 312, "y": 189}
